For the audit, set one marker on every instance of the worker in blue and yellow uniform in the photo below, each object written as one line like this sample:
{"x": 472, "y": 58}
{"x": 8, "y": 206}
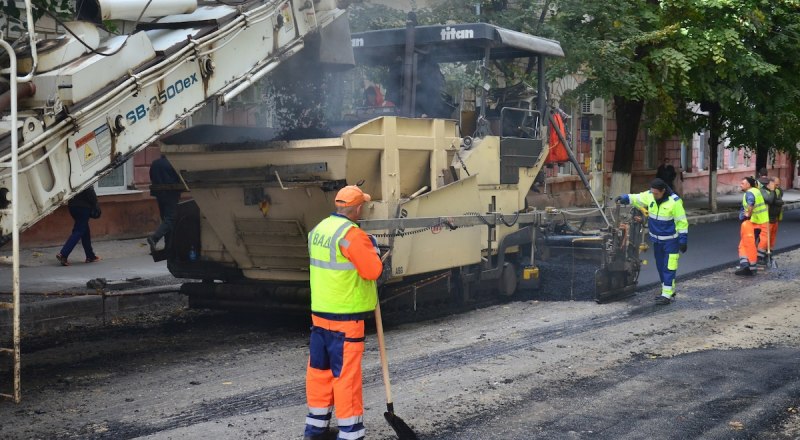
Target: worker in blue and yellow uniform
{"x": 669, "y": 231}
{"x": 345, "y": 263}
{"x": 754, "y": 216}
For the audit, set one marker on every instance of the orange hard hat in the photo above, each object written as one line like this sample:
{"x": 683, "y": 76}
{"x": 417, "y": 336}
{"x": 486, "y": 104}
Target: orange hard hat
{"x": 351, "y": 195}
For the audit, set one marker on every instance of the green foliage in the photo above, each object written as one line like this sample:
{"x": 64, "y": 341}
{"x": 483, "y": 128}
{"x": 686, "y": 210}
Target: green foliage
{"x": 368, "y": 17}
{"x": 740, "y": 54}
{"x": 616, "y": 46}
{"x": 16, "y": 16}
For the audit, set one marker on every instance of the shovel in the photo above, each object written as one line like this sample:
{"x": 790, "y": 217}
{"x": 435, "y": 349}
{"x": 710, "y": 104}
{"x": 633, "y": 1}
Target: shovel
{"x": 404, "y": 432}
{"x": 770, "y": 261}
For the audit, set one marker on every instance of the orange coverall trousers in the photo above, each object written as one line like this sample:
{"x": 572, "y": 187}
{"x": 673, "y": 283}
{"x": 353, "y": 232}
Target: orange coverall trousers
{"x": 762, "y": 241}
{"x": 333, "y": 377}
{"x": 748, "y": 253}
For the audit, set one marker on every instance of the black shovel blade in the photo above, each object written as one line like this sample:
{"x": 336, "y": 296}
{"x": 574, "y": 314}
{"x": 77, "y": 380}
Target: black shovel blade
{"x": 404, "y": 432}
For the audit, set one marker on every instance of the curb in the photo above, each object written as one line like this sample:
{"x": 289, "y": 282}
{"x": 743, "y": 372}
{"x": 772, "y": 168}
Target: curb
{"x": 711, "y": 218}
{"x": 59, "y": 314}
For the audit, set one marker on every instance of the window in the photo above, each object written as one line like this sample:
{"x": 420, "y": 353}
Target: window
{"x": 733, "y": 155}
{"x": 650, "y": 151}
{"x": 702, "y": 151}
{"x": 747, "y": 159}
{"x": 686, "y": 157}
{"x": 118, "y": 180}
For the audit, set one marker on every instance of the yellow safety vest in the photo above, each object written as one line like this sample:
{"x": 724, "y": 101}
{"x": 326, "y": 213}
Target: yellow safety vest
{"x": 336, "y": 286}
{"x": 759, "y": 215}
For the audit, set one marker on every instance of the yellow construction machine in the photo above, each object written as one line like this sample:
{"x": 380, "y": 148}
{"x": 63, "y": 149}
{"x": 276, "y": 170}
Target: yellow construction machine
{"x": 450, "y": 207}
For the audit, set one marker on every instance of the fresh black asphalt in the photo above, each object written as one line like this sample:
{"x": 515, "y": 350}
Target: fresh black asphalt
{"x": 716, "y": 245}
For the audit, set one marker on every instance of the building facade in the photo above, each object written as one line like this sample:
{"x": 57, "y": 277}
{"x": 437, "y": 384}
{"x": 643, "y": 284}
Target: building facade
{"x": 593, "y": 133}
{"x": 130, "y": 212}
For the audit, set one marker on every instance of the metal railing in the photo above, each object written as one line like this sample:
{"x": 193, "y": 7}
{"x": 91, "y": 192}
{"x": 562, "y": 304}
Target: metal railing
{"x": 14, "y": 351}
{"x": 14, "y": 165}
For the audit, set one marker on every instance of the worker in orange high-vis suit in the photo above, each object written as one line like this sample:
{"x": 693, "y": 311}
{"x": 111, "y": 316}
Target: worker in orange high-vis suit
{"x": 345, "y": 264}
{"x": 755, "y": 220}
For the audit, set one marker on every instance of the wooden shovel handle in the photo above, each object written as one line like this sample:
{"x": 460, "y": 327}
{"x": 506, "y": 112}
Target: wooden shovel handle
{"x": 382, "y": 349}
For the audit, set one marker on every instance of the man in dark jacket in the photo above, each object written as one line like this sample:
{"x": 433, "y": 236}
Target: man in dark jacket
{"x": 666, "y": 172}
{"x": 773, "y": 198}
{"x": 80, "y": 208}
{"x": 164, "y": 182}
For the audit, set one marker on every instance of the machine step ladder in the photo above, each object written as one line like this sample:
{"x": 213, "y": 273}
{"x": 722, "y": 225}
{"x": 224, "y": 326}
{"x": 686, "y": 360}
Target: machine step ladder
{"x": 11, "y": 164}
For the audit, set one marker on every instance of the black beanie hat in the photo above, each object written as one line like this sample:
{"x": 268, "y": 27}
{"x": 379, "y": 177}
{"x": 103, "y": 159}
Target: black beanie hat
{"x": 658, "y": 184}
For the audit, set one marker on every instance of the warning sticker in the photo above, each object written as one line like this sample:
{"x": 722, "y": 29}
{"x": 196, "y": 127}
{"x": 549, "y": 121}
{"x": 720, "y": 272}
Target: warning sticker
{"x": 88, "y": 153}
{"x": 93, "y": 146}
{"x": 288, "y": 22}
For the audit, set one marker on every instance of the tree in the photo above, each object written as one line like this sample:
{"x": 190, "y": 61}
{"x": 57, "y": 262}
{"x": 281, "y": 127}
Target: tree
{"x": 659, "y": 59}
{"x": 771, "y": 108}
{"x": 620, "y": 48}
{"x": 736, "y": 58}
{"x": 369, "y": 17}
{"x": 14, "y": 15}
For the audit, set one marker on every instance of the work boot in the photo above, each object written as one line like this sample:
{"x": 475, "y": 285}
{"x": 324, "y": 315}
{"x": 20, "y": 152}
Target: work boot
{"x": 761, "y": 261}
{"x": 152, "y": 244}
{"x": 662, "y": 300}
{"x": 744, "y": 271}
{"x": 674, "y": 294}
{"x": 330, "y": 434}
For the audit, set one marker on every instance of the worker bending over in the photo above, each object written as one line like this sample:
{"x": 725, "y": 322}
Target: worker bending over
{"x": 755, "y": 220}
{"x": 669, "y": 231}
{"x": 344, "y": 266}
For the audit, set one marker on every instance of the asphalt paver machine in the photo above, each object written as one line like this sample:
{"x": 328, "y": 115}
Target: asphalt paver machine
{"x": 449, "y": 187}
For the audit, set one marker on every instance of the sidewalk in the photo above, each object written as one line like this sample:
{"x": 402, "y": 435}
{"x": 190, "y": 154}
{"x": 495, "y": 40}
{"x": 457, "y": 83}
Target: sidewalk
{"x": 55, "y": 297}
{"x": 728, "y": 206}
{"x": 121, "y": 260}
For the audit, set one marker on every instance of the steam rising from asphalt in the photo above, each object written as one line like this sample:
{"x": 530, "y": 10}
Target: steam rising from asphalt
{"x": 297, "y": 90}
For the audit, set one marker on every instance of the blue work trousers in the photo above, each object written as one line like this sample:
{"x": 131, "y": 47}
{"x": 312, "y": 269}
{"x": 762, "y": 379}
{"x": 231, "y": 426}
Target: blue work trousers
{"x": 667, "y": 256}
{"x": 80, "y": 232}
{"x": 167, "y": 209}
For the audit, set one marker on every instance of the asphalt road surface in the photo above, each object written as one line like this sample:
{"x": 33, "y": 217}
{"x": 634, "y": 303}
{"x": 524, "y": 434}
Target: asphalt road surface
{"x": 716, "y": 245}
{"x": 718, "y": 363}
{"x": 695, "y": 395}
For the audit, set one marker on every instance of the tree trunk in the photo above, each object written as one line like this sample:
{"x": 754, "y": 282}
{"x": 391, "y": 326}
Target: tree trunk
{"x": 762, "y": 155}
{"x": 715, "y": 128}
{"x": 628, "y": 115}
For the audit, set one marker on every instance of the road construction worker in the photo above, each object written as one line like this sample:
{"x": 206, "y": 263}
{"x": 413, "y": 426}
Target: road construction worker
{"x": 755, "y": 219}
{"x": 669, "y": 231}
{"x": 344, "y": 267}
{"x": 773, "y": 198}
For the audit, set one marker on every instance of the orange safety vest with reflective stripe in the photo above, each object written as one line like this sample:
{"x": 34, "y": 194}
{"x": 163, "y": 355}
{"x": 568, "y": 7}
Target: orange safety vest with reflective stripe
{"x": 336, "y": 286}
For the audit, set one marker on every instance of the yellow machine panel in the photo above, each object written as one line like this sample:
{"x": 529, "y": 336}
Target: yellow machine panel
{"x": 439, "y": 247}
